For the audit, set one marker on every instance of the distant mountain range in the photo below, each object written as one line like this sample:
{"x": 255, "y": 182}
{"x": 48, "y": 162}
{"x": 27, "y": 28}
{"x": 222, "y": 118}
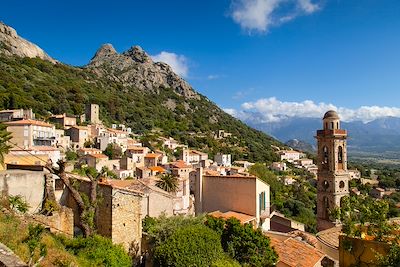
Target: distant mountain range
{"x": 378, "y": 136}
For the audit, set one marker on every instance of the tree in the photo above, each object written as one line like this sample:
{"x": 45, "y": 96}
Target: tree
{"x": 113, "y": 151}
{"x": 168, "y": 182}
{"x": 243, "y": 243}
{"x": 193, "y": 245}
{"x": 86, "y": 203}
{"x": 5, "y": 145}
{"x": 363, "y": 215}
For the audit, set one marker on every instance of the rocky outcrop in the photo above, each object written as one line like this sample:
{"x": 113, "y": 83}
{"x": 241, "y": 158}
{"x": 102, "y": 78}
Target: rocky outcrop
{"x": 12, "y": 44}
{"x": 135, "y": 67}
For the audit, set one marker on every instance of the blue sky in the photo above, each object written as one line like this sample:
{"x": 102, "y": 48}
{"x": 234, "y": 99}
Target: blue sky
{"x": 245, "y": 55}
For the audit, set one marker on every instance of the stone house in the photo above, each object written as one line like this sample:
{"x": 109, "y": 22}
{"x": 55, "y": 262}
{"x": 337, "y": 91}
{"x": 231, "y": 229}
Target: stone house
{"x": 30, "y": 133}
{"x": 118, "y": 214}
{"x": 137, "y": 154}
{"x": 223, "y": 159}
{"x": 289, "y": 155}
{"x": 242, "y": 194}
{"x": 278, "y": 166}
{"x": 16, "y": 114}
{"x": 151, "y": 160}
{"x": 88, "y": 151}
{"x": 63, "y": 120}
{"x": 62, "y": 141}
{"x": 98, "y": 161}
{"x": 113, "y": 136}
{"x": 79, "y": 135}
{"x": 190, "y": 156}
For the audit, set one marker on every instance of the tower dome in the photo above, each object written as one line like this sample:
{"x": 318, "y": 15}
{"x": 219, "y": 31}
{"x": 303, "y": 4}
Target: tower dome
{"x": 331, "y": 120}
{"x": 331, "y": 114}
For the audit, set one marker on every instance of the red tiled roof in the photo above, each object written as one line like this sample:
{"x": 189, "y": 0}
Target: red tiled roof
{"x": 152, "y": 155}
{"x": 180, "y": 164}
{"x": 243, "y": 218}
{"x": 157, "y": 169}
{"x": 29, "y": 122}
{"x": 89, "y": 149}
{"x": 98, "y": 156}
{"x": 295, "y": 253}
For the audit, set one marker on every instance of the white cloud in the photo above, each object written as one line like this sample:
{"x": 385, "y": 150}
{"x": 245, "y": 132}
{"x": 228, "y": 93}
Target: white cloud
{"x": 272, "y": 110}
{"x": 261, "y": 15}
{"x": 178, "y": 63}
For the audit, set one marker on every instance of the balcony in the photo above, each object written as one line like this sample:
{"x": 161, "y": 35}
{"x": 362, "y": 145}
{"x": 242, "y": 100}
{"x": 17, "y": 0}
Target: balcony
{"x": 337, "y": 132}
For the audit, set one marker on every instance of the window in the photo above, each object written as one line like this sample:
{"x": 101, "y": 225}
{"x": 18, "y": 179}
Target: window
{"x": 325, "y": 160}
{"x": 26, "y": 133}
{"x": 341, "y": 184}
{"x": 261, "y": 197}
{"x": 332, "y": 125}
{"x": 340, "y": 154}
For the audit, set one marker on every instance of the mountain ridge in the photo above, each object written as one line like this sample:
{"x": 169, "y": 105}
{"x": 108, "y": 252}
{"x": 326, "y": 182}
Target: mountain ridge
{"x": 135, "y": 67}
{"x": 12, "y": 44}
{"x": 131, "y": 89}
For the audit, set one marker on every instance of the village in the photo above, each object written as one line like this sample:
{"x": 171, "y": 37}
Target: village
{"x": 134, "y": 182}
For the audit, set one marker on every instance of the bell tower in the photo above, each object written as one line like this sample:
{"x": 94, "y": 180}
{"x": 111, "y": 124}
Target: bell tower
{"x": 333, "y": 177}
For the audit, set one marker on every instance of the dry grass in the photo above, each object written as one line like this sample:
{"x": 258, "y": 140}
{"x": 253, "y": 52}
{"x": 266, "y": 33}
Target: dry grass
{"x": 14, "y": 230}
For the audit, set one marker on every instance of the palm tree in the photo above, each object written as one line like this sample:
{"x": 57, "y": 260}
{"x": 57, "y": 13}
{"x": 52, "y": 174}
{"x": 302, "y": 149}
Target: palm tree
{"x": 5, "y": 146}
{"x": 168, "y": 182}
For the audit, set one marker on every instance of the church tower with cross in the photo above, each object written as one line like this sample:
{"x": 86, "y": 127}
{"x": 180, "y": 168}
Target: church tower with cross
{"x": 332, "y": 177}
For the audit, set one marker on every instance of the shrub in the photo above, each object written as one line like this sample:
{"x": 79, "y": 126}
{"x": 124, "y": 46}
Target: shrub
{"x": 97, "y": 250}
{"x": 194, "y": 245}
{"x": 243, "y": 243}
{"x": 18, "y": 203}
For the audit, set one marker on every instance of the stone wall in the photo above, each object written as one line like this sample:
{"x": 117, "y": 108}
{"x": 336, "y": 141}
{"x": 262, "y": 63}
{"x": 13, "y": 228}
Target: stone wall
{"x": 61, "y": 221}
{"x": 126, "y": 219}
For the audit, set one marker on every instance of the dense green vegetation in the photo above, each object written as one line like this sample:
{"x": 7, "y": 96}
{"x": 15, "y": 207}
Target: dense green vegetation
{"x": 44, "y": 87}
{"x": 297, "y": 201}
{"x": 32, "y": 243}
{"x": 206, "y": 241}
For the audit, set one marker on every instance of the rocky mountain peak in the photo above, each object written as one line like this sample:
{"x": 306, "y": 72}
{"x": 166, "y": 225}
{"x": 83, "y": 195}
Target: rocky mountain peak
{"x": 12, "y": 44}
{"x": 106, "y": 50}
{"x": 135, "y": 68}
{"x": 138, "y": 54}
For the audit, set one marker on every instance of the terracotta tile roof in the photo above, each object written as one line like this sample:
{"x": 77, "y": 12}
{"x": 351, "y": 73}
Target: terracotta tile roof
{"x": 29, "y": 122}
{"x": 330, "y": 237}
{"x": 89, "y": 149}
{"x": 157, "y": 169}
{"x": 211, "y": 173}
{"x": 198, "y": 152}
{"x": 179, "y": 164}
{"x": 295, "y": 253}
{"x": 152, "y": 155}
{"x": 243, "y": 218}
{"x": 98, "y": 156}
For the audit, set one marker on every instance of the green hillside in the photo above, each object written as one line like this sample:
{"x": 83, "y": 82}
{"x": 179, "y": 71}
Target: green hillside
{"x": 49, "y": 88}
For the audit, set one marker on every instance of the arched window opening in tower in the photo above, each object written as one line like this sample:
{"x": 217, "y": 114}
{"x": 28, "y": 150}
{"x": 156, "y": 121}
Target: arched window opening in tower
{"x": 340, "y": 154}
{"x": 325, "y": 162}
